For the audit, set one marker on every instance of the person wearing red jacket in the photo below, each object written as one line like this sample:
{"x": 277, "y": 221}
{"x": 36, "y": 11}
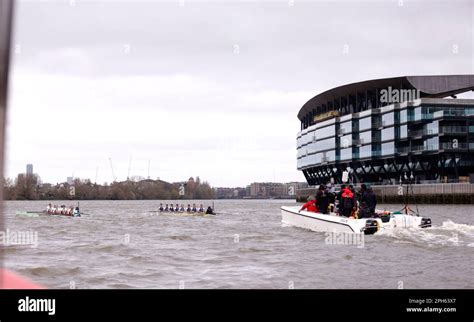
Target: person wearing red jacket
{"x": 310, "y": 205}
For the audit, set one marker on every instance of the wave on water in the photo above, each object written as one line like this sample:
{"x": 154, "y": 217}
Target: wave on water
{"x": 448, "y": 234}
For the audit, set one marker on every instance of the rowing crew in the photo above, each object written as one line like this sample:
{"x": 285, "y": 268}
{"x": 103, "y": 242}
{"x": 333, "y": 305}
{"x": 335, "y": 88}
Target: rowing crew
{"x": 181, "y": 208}
{"x": 62, "y": 210}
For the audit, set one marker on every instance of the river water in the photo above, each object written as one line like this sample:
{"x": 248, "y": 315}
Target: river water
{"x": 122, "y": 245}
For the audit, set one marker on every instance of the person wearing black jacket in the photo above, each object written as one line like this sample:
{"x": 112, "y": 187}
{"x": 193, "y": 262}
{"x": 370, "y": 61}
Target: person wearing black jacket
{"x": 368, "y": 197}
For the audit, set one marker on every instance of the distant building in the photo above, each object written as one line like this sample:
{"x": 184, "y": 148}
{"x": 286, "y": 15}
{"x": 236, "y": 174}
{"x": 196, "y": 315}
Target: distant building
{"x": 29, "y": 169}
{"x": 274, "y": 189}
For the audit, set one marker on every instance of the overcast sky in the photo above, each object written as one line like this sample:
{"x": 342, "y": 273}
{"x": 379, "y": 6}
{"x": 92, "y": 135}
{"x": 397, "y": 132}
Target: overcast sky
{"x": 204, "y": 88}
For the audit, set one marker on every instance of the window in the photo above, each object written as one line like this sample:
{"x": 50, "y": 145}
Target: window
{"x": 345, "y": 154}
{"x": 326, "y": 132}
{"x": 346, "y": 127}
{"x": 328, "y": 144}
{"x": 388, "y": 134}
{"x": 388, "y": 119}
{"x": 403, "y": 132}
{"x": 365, "y": 137}
{"x": 345, "y": 141}
{"x": 365, "y": 123}
{"x": 432, "y": 128}
{"x": 431, "y": 144}
{"x": 403, "y": 116}
{"x": 365, "y": 151}
{"x": 388, "y": 148}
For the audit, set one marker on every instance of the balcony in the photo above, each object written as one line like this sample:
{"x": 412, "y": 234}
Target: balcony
{"x": 420, "y": 133}
{"x": 453, "y": 130}
{"x": 454, "y": 146}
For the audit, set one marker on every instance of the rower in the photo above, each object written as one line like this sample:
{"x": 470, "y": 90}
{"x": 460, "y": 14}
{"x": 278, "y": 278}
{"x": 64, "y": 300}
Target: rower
{"x": 209, "y": 211}
{"x": 189, "y": 208}
{"x": 181, "y": 209}
{"x": 201, "y": 209}
{"x": 177, "y": 208}
{"x": 166, "y": 208}
{"x": 76, "y": 212}
{"x": 49, "y": 208}
{"x": 171, "y": 207}
{"x": 194, "y": 208}
{"x": 161, "y": 207}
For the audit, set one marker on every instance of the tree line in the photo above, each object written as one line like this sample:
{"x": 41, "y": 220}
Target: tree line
{"x": 28, "y": 187}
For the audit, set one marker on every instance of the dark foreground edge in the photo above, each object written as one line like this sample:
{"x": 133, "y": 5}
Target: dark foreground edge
{"x": 219, "y": 305}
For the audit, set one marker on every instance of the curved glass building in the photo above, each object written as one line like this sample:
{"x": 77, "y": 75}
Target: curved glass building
{"x": 382, "y": 130}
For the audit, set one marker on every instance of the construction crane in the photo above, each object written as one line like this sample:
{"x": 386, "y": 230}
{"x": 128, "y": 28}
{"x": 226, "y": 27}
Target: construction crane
{"x": 129, "y": 165}
{"x": 148, "y": 169}
{"x": 111, "y": 167}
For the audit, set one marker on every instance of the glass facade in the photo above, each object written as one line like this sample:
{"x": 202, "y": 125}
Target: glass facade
{"x": 420, "y": 129}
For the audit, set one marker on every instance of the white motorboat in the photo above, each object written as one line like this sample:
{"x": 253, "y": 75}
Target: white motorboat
{"x": 334, "y": 223}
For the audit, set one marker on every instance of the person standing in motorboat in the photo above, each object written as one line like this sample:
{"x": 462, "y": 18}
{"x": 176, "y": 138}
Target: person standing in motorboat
{"x": 310, "y": 206}
{"x": 347, "y": 205}
{"x": 322, "y": 198}
{"x": 368, "y": 196}
{"x": 339, "y": 199}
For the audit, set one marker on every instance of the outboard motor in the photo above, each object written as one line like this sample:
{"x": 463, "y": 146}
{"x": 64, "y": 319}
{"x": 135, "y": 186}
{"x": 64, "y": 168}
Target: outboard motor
{"x": 371, "y": 227}
{"x": 425, "y": 222}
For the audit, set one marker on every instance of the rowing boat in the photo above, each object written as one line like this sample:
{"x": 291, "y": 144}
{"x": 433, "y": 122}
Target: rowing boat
{"x": 42, "y": 213}
{"x": 182, "y": 213}
{"x": 333, "y": 223}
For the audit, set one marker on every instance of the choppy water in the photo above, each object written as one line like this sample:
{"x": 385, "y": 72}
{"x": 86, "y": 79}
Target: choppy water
{"x": 122, "y": 245}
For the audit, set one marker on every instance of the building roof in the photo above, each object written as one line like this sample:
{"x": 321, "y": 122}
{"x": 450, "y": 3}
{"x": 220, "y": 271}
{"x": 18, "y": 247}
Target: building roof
{"x": 429, "y": 86}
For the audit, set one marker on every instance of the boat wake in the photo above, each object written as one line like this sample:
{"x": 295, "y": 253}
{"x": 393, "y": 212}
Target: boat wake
{"x": 448, "y": 234}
